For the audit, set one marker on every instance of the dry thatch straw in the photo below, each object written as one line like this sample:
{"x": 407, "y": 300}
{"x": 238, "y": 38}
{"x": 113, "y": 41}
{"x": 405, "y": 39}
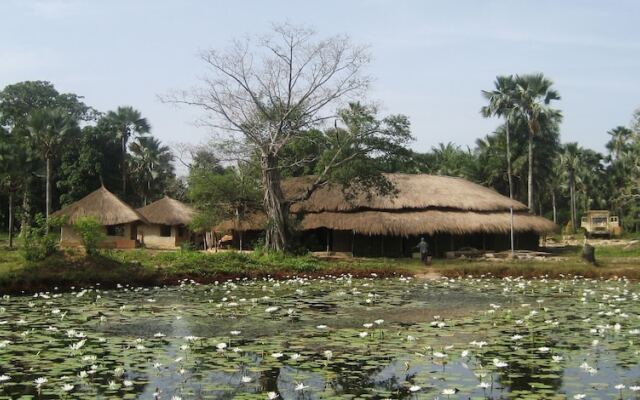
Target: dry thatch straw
{"x": 422, "y": 204}
{"x": 426, "y": 222}
{"x": 254, "y": 221}
{"x": 167, "y": 211}
{"x": 103, "y": 205}
{"x": 414, "y": 192}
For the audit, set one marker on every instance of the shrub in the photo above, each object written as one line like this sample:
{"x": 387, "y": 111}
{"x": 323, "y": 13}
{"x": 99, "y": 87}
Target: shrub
{"x": 38, "y": 240}
{"x": 90, "y": 232}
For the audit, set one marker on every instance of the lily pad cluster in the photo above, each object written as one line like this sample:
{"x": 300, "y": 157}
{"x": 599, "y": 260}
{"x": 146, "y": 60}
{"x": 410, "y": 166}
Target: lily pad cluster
{"x": 322, "y": 338}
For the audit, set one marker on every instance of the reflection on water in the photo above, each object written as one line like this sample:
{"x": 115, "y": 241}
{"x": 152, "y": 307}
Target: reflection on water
{"x": 315, "y": 339}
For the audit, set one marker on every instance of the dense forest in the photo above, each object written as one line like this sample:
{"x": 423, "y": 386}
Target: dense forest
{"x": 55, "y": 149}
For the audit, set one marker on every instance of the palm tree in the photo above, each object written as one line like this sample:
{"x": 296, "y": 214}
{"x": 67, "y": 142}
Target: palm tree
{"x": 502, "y": 104}
{"x": 620, "y": 141}
{"x": 533, "y": 94}
{"x": 571, "y": 163}
{"x": 11, "y": 172}
{"x": 126, "y": 122}
{"x": 47, "y": 130}
{"x": 151, "y": 161}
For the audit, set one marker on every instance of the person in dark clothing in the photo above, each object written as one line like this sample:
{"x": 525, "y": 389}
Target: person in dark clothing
{"x": 423, "y": 246}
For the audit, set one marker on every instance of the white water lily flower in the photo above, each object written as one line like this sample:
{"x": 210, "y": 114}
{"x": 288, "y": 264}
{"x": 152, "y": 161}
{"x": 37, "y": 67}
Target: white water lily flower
{"x": 464, "y": 353}
{"x": 127, "y": 383}
{"x": 363, "y": 334}
{"x": 40, "y": 381}
{"x": 543, "y": 349}
{"x": 67, "y": 387}
{"x": 78, "y": 345}
{"x": 438, "y": 354}
{"x": 415, "y": 388}
{"x": 379, "y": 321}
{"x": 619, "y": 386}
{"x": 159, "y": 335}
{"x": 367, "y": 325}
{"x": 634, "y": 388}
{"x": 295, "y": 356}
{"x": 221, "y": 346}
{"x": 556, "y": 359}
{"x": 411, "y": 338}
{"x": 321, "y": 327}
{"x": 300, "y": 386}
{"x": 277, "y": 355}
{"x": 272, "y": 395}
{"x": 579, "y": 396}
{"x": 246, "y": 379}
{"x": 176, "y": 398}
{"x": 271, "y": 309}
{"x": 235, "y": 333}
{"x": 448, "y": 392}
{"x": 328, "y": 354}
{"x": 499, "y": 363}
{"x": 82, "y": 374}
{"x": 484, "y": 385}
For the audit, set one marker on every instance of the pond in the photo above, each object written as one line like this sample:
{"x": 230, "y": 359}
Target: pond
{"x": 334, "y": 337}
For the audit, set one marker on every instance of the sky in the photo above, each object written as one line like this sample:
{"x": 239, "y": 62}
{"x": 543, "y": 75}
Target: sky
{"x": 430, "y": 59}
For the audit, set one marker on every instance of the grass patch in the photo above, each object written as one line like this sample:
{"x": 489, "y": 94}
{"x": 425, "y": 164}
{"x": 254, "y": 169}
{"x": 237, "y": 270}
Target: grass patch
{"x": 72, "y": 268}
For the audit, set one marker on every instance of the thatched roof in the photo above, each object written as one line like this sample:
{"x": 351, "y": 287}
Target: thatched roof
{"x": 414, "y": 192}
{"x": 254, "y": 221}
{"x": 103, "y": 205}
{"x": 167, "y": 211}
{"x": 424, "y": 204}
{"x": 426, "y": 222}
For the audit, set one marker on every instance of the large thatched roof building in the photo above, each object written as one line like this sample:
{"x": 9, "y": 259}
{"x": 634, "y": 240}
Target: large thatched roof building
{"x": 167, "y": 223}
{"x": 451, "y": 212}
{"x": 119, "y": 220}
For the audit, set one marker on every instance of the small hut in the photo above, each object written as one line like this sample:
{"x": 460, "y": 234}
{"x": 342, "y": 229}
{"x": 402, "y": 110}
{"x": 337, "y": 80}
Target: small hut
{"x": 246, "y": 231}
{"x": 167, "y": 224}
{"x": 451, "y": 213}
{"x": 119, "y": 220}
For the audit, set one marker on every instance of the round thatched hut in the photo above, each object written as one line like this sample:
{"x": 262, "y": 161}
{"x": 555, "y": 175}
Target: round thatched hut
{"x": 167, "y": 224}
{"x": 119, "y": 220}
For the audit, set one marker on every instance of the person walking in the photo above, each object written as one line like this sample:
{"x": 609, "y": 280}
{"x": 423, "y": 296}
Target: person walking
{"x": 423, "y": 246}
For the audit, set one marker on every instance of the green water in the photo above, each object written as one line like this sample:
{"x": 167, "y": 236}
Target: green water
{"x": 327, "y": 338}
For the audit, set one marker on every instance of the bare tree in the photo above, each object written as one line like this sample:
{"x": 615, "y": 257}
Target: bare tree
{"x": 268, "y": 92}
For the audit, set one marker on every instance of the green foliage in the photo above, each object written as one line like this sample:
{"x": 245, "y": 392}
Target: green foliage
{"x": 91, "y": 233}
{"x": 150, "y": 167}
{"x": 93, "y": 159}
{"x": 220, "y": 194}
{"x": 38, "y": 242}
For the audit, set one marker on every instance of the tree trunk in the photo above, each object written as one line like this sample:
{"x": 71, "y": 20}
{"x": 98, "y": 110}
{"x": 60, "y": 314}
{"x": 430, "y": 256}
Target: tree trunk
{"x": 48, "y": 193}
{"x": 26, "y": 217}
{"x": 530, "y": 183}
{"x": 509, "y": 160}
{"x": 510, "y": 178}
{"x": 124, "y": 165}
{"x": 10, "y": 218}
{"x": 553, "y": 204}
{"x": 572, "y": 199}
{"x": 274, "y": 205}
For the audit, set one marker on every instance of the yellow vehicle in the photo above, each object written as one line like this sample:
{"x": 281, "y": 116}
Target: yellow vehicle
{"x": 600, "y": 223}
